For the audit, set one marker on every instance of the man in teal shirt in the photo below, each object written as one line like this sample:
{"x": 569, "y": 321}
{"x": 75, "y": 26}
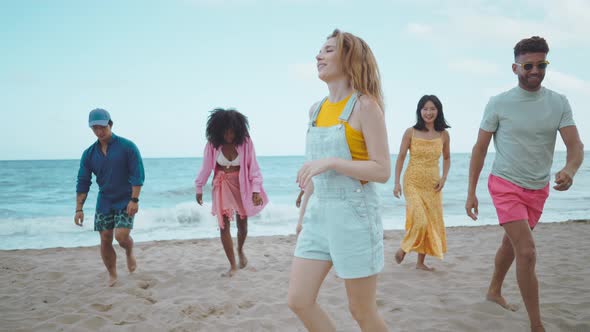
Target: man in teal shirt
{"x": 118, "y": 167}
{"x": 523, "y": 122}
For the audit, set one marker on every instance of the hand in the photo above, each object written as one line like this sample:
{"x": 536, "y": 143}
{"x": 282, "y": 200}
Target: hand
{"x": 397, "y": 190}
{"x": 563, "y": 180}
{"x": 311, "y": 169}
{"x": 132, "y": 208}
{"x": 471, "y": 207}
{"x": 199, "y": 198}
{"x": 298, "y": 230}
{"x": 256, "y": 199}
{"x": 298, "y": 200}
{"x": 440, "y": 184}
{"x": 79, "y": 218}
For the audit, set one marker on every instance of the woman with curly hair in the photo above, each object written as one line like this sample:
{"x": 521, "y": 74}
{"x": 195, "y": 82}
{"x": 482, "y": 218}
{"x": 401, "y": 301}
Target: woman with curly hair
{"x": 237, "y": 181}
{"x": 346, "y": 152}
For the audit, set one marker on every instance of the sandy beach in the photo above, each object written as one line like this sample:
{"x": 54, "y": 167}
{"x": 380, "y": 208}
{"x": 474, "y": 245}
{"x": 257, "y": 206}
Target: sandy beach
{"x": 178, "y": 287}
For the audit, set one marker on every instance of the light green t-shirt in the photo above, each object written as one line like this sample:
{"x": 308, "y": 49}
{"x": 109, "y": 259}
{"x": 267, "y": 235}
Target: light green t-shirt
{"x": 525, "y": 126}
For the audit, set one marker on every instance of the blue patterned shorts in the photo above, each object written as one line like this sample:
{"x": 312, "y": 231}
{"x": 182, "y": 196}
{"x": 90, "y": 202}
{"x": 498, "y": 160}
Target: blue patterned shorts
{"x": 114, "y": 219}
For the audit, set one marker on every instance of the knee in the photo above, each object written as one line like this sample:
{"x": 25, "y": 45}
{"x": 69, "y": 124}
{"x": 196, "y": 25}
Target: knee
{"x": 359, "y": 313}
{"x": 298, "y": 304}
{"x": 106, "y": 239}
{"x": 122, "y": 239}
{"x": 527, "y": 254}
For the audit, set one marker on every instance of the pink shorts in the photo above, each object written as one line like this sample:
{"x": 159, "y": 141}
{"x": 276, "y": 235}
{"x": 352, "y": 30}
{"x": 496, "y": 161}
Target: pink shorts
{"x": 514, "y": 203}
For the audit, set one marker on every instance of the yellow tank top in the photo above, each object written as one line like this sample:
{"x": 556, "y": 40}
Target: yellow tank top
{"x": 328, "y": 116}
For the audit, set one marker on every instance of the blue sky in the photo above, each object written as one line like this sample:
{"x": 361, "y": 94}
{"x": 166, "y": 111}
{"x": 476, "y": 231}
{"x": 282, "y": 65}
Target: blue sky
{"x": 160, "y": 66}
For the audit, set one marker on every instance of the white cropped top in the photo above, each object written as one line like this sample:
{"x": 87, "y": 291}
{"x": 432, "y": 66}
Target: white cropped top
{"x": 222, "y": 160}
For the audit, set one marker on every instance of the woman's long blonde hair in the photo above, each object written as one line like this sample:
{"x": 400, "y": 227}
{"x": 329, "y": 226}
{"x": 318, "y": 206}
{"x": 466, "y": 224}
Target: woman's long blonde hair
{"x": 359, "y": 65}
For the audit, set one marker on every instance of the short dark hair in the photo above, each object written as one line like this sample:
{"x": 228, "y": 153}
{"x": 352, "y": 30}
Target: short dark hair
{"x": 220, "y": 120}
{"x": 535, "y": 44}
{"x": 440, "y": 123}
{"x": 110, "y": 123}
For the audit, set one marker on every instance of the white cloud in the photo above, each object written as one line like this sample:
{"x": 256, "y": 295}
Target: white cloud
{"x": 475, "y": 67}
{"x": 565, "y": 83}
{"x": 303, "y": 71}
{"x": 418, "y": 29}
{"x": 561, "y": 24}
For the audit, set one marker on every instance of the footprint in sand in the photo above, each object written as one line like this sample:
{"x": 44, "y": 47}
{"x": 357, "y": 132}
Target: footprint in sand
{"x": 101, "y": 307}
{"x": 246, "y": 305}
{"x": 144, "y": 284}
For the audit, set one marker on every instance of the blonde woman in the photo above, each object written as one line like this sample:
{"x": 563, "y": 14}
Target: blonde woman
{"x": 346, "y": 152}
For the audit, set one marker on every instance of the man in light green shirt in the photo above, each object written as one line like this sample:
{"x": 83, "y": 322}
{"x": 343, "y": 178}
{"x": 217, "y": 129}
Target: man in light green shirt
{"x": 523, "y": 122}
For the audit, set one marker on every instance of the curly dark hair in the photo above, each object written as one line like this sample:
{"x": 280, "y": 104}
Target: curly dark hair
{"x": 439, "y": 123}
{"x": 220, "y": 120}
{"x": 535, "y": 44}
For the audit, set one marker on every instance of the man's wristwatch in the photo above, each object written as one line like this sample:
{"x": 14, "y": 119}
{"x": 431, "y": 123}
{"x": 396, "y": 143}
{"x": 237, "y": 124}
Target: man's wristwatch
{"x": 134, "y": 199}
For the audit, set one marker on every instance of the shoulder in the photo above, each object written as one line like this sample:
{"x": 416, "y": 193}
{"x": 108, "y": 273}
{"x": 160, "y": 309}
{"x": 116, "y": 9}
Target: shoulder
{"x": 368, "y": 107}
{"x": 445, "y": 135}
{"x": 409, "y": 132}
{"x": 506, "y": 95}
{"x": 314, "y": 107}
{"x": 126, "y": 142}
{"x": 555, "y": 96}
{"x": 88, "y": 151}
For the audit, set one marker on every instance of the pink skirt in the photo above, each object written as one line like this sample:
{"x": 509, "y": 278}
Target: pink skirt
{"x": 227, "y": 200}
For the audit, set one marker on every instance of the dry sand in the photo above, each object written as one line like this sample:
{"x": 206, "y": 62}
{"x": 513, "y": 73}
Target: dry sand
{"x": 178, "y": 287}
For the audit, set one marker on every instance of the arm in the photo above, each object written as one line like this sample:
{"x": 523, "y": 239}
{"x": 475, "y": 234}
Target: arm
{"x": 401, "y": 158}
{"x": 308, "y": 193}
{"x": 82, "y": 188}
{"x": 206, "y": 168}
{"x": 254, "y": 174}
{"x": 133, "y": 207}
{"x": 575, "y": 155}
{"x": 80, "y": 200}
{"x": 478, "y": 156}
{"x": 136, "y": 177}
{"x": 298, "y": 200}
{"x": 377, "y": 168}
{"x": 446, "y": 160}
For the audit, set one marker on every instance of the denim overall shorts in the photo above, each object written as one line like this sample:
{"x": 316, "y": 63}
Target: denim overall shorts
{"x": 342, "y": 223}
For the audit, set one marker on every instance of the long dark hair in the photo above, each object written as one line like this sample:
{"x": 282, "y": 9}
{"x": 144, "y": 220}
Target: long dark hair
{"x": 220, "y": 120}
{"x": 439, "y": 123}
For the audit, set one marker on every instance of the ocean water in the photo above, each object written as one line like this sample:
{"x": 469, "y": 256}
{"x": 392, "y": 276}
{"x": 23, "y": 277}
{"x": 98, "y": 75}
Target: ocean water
{"x": 37, "y": 201}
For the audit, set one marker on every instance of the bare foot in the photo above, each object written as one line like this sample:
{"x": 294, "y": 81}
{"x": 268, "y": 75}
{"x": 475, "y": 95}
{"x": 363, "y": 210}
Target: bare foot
{"x": 131, "y": 263}
{"x": 230, "y": 273}
{"x": 112, "y": 279}
{"x": 399, "y": 255}
{"x": 243, "y": 260}
{"x": 424, "y": 267}
{"x": 499, "y": 299}
{"x": 537, "y": 328}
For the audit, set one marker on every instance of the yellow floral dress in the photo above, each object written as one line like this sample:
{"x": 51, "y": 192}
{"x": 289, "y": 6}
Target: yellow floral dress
{"x": 425, "y": 229}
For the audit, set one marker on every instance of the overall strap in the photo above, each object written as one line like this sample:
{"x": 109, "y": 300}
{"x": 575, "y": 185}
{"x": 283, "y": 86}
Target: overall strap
{"x": 316, "y": 112}
{"x": 348, "y": 108}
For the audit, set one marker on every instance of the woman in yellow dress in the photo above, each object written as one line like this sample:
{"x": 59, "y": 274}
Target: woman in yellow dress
{"x": 426, "y": 140}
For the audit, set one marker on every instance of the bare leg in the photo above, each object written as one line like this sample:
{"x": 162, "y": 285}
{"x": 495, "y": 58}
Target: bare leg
{"x": 228, "y": 247}
{"x": 242, "y": 234}
{"x": 420, "y": 263}
{"x": 123, "y": 236}
{"x": 399, "y": 255}
{"x": 306, "y": 278}
{"x": 362, "y": 301}
{"x": 109, "y": 257}
{"x": 502, "y": 263}
{"x": 523, "y": 243}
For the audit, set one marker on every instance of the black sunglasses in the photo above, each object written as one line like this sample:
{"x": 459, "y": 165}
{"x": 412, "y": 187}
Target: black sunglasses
{"x": 529, "y": 65}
